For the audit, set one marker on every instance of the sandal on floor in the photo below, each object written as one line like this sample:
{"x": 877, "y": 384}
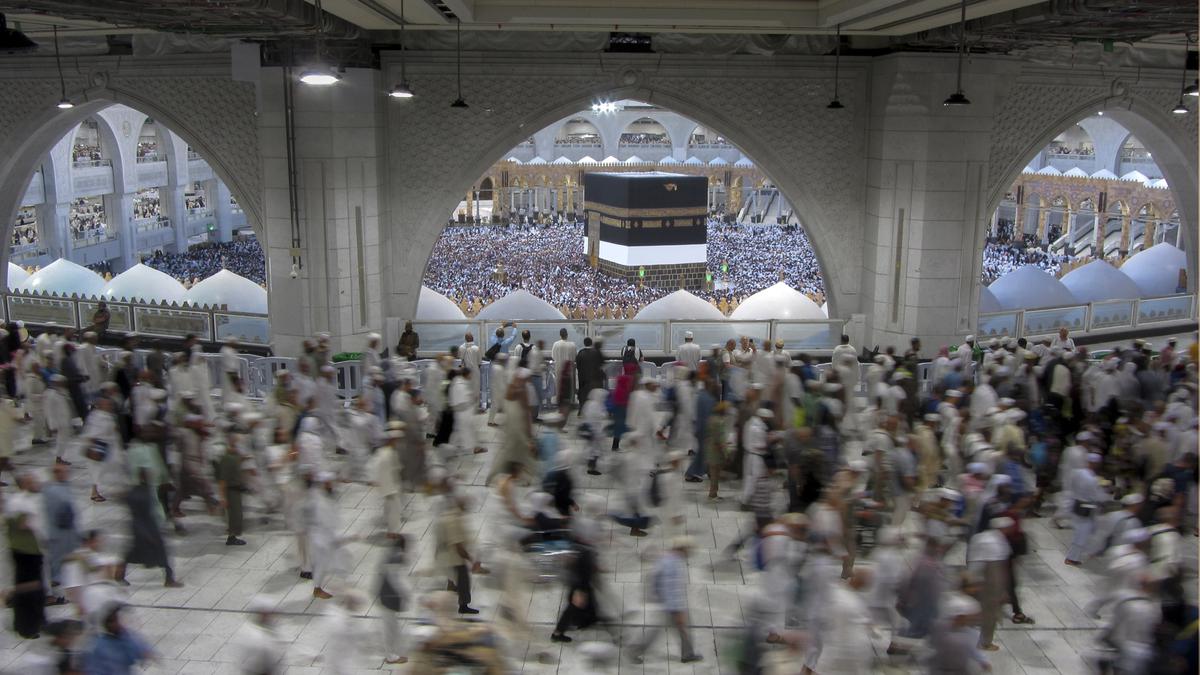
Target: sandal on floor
{"x": 99, "y": 498}
{"x": 1021, "y": 618}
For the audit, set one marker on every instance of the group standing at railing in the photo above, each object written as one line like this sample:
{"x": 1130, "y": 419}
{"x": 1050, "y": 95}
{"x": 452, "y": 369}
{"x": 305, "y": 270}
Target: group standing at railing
{"x": 826, "y": 475}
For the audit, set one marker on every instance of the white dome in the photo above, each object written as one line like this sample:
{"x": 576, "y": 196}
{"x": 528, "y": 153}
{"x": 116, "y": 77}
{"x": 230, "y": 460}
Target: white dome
{"x": 1048, "y": 171}
{"x": 668, "y": 160}
{"x": 717, "y": 161}
{"x": 1098, "y": 281}
{"x": 145, "y": 283}
{"x": 1136, "y": 175}
{"x": 1076, "y": 172}
{"x": 536, "y": 160}
{"x": 520, "y": 306}
{"x": 693, "y": 161}
{"x": 679, "y": 306}
{"x": 1029, "y": 287}
{"x": 16, "y": 275}
{"x": 743, "y": 162}
{"x": 514, "y": 160}
{"x": 610, "y": 160}
{"x": 1105, "y": 174}
{"x": 1156, "y": 269}
{"x": 563, "y": 160}
{"x": 825, "y": 308}
{"x": 433, "y": 306}
{"x": 586, "y": 159}
{"x": 1028, "y": 169}
{"x": 635, "y": 160}
{"x": 988, "y": 302}
{"x": 64, "y": 278}
{"x": 777, "y": 302}
{"x": 1160, "y": 184}
{"x": 236, "y": 292}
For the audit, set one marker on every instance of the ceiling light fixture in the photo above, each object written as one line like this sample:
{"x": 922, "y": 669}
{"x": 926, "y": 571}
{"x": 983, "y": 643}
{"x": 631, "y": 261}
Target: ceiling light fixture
{"x": 320, "y": 74}
{"x": 458, "y": 102}
{"x": 1184, "y": 90}
{"x": 958, "y": 97}
{"x": 401, "y": 90}
{"x": 835, "y": 104}
{"x": 64, "y": 103}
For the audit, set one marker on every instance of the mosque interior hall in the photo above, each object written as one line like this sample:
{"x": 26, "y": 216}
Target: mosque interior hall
{"x": 787, "y": 337}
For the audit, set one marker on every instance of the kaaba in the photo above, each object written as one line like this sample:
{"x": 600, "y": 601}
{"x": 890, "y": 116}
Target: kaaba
{"x": 650, "y": 228}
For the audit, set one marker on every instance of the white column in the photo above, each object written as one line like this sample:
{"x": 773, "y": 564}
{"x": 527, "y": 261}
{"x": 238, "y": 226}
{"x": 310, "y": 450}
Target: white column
{"x": 222, "y": 210}
{"x": 118, "y": 209}
{"x": 174, "y": 206}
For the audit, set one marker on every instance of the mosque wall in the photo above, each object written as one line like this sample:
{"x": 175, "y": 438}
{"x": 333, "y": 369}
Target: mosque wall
{"x": 379, "y": 177}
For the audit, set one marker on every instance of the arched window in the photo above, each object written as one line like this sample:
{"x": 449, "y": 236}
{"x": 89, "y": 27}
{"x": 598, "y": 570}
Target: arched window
{"x": 644, "y": 132}
{"x": 578, "y": 133}
{"x": 86, "y": 148}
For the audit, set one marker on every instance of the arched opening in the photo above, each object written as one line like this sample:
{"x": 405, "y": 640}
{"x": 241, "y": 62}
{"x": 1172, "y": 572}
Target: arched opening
{"x": 539, "y": 238}
{"x": 578, "y": 132}
{"x": 644, "y": 133}
{"x": 485, "y": 189}
{"x": 1098, "y": 213}
{"x": 122, "y": 197}
{"x": 704, "y": 139}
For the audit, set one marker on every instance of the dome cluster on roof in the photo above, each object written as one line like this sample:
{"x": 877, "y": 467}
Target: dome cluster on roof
{"x": 145, "y": 284}
{"x": 63, "y": 277}
{"x": 520, "y": 305}
{"x": 779, "y": 301}
{"x": 237, "y": 293}
{"x": 679, "y": 306}
{"x": 433, "y": 306}
{"x": 16, "y": 275}
{"x": 1151, "y": 273}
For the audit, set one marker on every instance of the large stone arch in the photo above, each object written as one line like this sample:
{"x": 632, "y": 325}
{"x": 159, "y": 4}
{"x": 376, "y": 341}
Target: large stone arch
{"x": 832, "y": 169}
{"x": 209, "y": 111}
{"x": 1144, "y": 114}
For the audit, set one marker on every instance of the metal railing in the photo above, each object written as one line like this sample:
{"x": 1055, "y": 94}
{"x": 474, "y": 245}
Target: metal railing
{"x": 1095, "y": 317}
{"x": 91, "y": 163}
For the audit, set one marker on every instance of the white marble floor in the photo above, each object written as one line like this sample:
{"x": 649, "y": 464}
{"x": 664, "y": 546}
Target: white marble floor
{"x": 192, "y": 628}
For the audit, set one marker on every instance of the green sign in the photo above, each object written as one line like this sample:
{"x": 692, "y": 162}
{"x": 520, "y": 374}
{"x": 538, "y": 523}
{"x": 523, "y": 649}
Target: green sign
{"x": 641, "y": 271}
{"x": 708, "y": 277}
{"x": 724, "y": 268}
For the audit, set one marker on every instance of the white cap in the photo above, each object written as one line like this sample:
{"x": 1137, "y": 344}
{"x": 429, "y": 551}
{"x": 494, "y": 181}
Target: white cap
{"x": 1132, "y": 499}
{"x": 970, "y": 338}
{"x": 857, "y": 465}
{"x": 688, "y": 335}
{"x": 1094, "y": 457}
{"x": 1002, "y": 523}
{"x": 765, "y": 413}
{"x": 953, "y": 393}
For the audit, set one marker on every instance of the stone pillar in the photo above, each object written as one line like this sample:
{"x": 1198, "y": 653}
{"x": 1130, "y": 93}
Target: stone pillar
{"x": 54, "y": 231}
{"x": 1042, "y": 222}
{"x": 1125, "y": 228}
{"x": 926, "y": 219}
{"x": 1068, "y": 228}
{"x": 1148, "y": 237}
{"x": 174, "y": 206}
{"x": 118, "y": 209}
{"x": 995, "y": 226}
{"x": 218, "y": 201}
{"x": 339, "y": 158}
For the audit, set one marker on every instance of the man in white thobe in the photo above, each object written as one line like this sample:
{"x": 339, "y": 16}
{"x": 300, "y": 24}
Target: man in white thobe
{"x": 688, "y": 353}
{"x": 462, "y": 403}
{"x": 1085, "y": 489}
{"x": 562, "y": 353}
{"x": 471, "y": 357}
{"x": 755, "y": 439}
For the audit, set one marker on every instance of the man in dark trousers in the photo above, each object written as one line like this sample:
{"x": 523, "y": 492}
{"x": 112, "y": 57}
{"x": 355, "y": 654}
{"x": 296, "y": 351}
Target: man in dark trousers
{"x": 589, "y": 365}
{"x": 75, "y": 380}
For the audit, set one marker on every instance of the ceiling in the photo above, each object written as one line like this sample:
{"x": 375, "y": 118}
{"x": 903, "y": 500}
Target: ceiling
{"x": 993, "y": 25}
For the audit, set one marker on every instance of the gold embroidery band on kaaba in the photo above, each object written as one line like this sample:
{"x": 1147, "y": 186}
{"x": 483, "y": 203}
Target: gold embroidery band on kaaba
{"x": 624, "y": 212}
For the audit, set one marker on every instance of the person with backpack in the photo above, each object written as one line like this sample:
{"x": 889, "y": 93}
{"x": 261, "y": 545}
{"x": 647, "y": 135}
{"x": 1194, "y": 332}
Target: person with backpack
{"x": 631, "y": 353}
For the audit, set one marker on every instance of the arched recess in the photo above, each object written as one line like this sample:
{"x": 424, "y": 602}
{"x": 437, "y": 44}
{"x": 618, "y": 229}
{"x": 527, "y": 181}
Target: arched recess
{"x": 23, "y": 151}
{"x": 1154, "y": 128}
{"x": 486, "y": 187}
{"x": 632, "y": 129}
{"x": 428, "y": 217}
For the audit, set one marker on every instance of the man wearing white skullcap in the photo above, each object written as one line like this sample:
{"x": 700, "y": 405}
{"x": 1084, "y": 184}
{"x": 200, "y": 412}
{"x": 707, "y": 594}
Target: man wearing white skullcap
{"x": 1072, "y": 458}
{"x": 260, "y": 648}
{"x": 688, "y": 353}
{"x": 1088, "y": 496}
{"x": 966, "y": 351}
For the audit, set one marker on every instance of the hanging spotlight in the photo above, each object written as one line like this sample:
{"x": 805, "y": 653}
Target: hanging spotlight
{"x": 1192, "y": 89}
{"x": 958, "y": 97}
{"x": 64, "y": 103}
{"x": 1184, "y": 90}
{"x": 320, "y": 74}
{"x": 401, "y": 90}
{"x": 458, "y": 102}
{"x": 835, "y": 104}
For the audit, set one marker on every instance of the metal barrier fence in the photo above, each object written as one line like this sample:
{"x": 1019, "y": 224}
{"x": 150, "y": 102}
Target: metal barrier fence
{"x": 1093, "y": 318}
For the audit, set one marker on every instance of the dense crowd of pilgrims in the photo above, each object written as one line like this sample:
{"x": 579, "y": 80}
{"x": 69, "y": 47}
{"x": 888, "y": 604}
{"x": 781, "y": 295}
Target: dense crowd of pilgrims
{"x": 474, "y": 265}
{"x": 87, "y": 219}
{"x": 242, "y": 256}
{"x": 1002, "y": 255}
{"x": 858, "y": 503}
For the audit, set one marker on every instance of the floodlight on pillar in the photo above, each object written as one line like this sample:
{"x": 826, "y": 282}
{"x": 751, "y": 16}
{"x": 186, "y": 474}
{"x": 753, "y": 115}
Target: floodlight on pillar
{"x": 958, "y": 97}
